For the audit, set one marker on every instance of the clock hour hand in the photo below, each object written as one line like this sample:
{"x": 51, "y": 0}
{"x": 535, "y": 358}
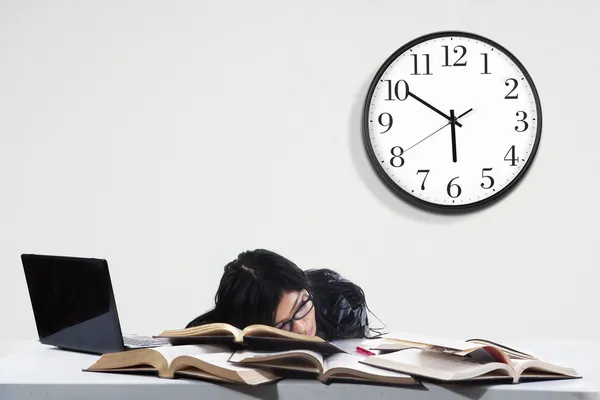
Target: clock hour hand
{"x": 465, "y": 113}
{"x": 411, "y": 94}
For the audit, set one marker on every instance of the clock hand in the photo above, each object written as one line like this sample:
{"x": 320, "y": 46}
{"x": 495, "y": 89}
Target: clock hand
{"x": 411, "y": 94}
{"x": 453, "y": 130}
{"x": 428, "y": 136}
{"x": 465, "y": 113}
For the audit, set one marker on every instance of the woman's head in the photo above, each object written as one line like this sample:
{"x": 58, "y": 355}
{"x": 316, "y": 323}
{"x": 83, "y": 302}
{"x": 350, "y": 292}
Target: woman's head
{"x": 263, "y": 287}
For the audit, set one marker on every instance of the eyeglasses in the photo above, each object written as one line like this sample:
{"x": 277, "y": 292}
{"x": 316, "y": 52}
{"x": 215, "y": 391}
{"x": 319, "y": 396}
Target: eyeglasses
{"x": 302, "y": 312}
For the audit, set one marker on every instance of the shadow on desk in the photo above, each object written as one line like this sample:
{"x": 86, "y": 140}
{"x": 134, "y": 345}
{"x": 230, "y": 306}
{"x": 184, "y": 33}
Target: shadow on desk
{"x": 271, "y": 391}
{"x": 475, "y": 390}
{"x": 470, "y": 390}
{"x": 267, "y": 392}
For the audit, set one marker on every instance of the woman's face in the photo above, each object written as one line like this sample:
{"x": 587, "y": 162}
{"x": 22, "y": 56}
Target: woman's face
{"x": 296, "y": 313}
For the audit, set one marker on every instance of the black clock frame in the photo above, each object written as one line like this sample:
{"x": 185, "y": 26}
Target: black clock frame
{"x": 418, "y": 201}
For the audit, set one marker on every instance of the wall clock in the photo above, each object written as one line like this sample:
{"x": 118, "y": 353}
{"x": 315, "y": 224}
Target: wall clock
{"x": 452, "y": 121}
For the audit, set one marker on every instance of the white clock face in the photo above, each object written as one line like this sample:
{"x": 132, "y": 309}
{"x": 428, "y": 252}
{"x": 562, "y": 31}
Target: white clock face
{"x": 424, "y": 152}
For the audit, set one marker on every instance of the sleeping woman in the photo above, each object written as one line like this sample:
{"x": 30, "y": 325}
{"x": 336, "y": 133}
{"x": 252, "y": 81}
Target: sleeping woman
{"x": 263, "y": 287}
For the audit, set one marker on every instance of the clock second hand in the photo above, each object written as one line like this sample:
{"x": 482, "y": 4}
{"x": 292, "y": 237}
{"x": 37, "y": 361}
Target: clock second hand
{"x": 428, "y": 136}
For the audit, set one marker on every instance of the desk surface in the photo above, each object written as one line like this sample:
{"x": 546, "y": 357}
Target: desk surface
{"x": 37, "y": 371}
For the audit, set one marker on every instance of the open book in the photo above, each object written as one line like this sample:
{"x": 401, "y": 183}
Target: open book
{"x": 255, "y": 337}
{"x": 475, "y": 366}
{"x": 500, "y": 352}
{"x": 204, "y": 362}
{"x": 337, "y": 367}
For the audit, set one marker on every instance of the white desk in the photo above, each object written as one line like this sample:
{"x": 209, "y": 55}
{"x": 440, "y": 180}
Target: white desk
{"x": 36, "y": 371}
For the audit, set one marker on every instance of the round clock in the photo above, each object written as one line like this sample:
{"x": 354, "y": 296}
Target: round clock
{"x": 452, "y": 120}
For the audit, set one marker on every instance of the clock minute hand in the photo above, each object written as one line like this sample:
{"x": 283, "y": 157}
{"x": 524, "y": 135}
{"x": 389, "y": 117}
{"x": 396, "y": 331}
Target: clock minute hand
{"x": 453, "y": 130}
{"x": 411, "y": 94}
{"x": 453, "y": 122}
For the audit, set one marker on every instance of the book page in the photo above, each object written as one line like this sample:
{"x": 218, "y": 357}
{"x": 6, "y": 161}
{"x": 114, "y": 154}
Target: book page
{"x": 425, "y": 341}
{"x": 256, "y": 356}
{"x": 215, "y": 329}
{"x": 353, "y": 362}
{"x": 534, "y": 366}
{"x": 435, "y": 364}
{"x": 269, "y": 331}
{"x": 222, "y": 360}
{"x": 218, "y": 365}
{"x": 196, "y": 351}
{"x": 394, "y": 346}
{"x": 350, "y": 345}
{"x": 512, "y": 352}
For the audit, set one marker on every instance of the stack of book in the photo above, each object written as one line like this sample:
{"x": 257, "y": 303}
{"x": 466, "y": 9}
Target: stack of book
{"x": 261, "y": 354}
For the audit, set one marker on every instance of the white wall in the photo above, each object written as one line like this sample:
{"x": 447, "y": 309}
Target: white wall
{"x": 169, "y": 136}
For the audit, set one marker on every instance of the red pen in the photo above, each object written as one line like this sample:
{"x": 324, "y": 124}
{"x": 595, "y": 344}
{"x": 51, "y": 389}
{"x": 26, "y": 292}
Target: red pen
{"x": 364, "y": 351}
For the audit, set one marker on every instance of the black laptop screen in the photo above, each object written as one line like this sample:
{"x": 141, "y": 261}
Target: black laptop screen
{"x": 66, "y": 291}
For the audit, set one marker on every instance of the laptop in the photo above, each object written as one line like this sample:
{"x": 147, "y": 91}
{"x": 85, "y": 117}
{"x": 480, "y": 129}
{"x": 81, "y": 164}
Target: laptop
{"x": 74, "y": 305}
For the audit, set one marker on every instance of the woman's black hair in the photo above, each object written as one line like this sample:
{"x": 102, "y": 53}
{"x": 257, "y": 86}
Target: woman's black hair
{"x": 343, "y": 309}
{"x": 251, "y": 287}
{"x": 253, "y": 284}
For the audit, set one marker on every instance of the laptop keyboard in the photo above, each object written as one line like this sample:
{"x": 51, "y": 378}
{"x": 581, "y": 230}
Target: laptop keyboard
{"x": 144, "y": 341}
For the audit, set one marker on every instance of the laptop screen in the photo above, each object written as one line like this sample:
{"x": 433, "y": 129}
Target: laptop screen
{"x": 72, "y": 301}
